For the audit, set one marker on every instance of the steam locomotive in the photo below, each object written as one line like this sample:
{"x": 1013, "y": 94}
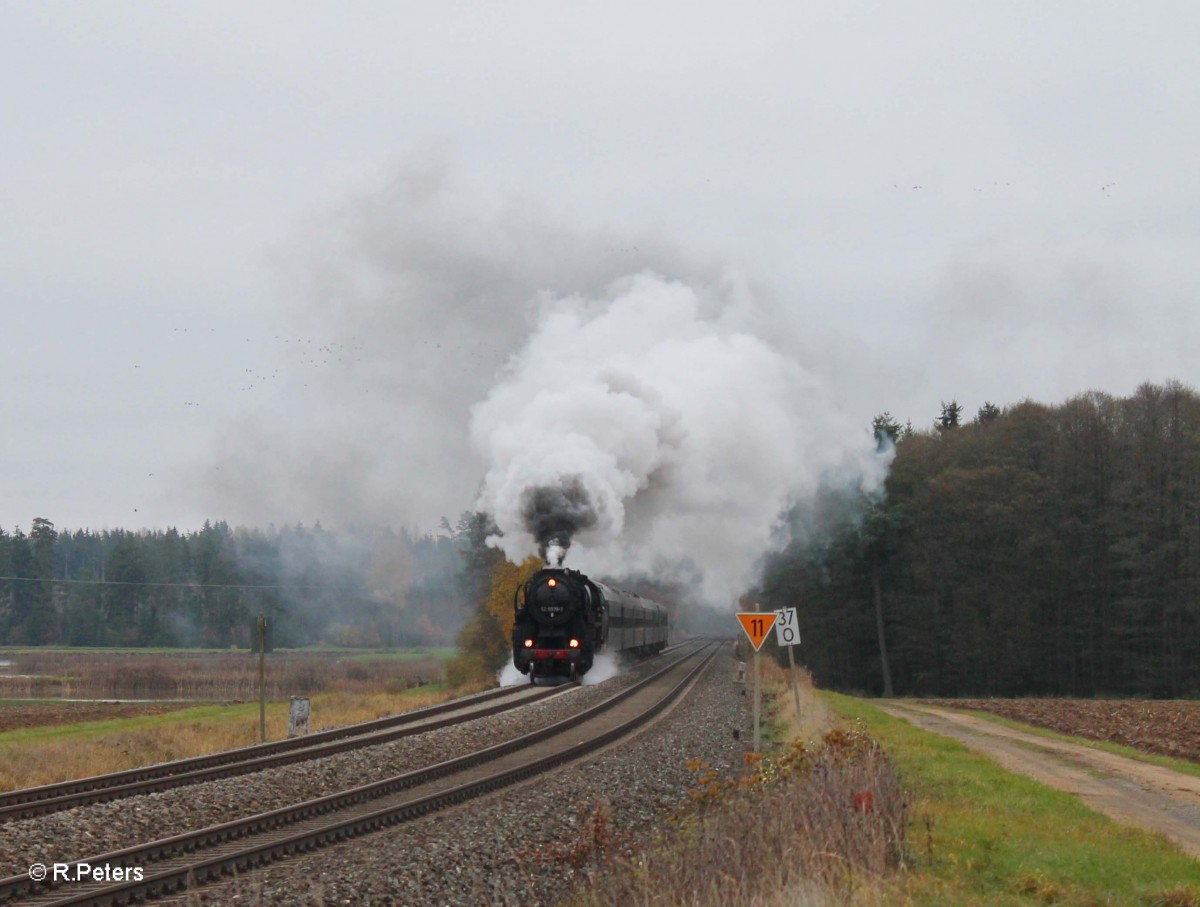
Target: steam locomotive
{"x": 563, "y": 619}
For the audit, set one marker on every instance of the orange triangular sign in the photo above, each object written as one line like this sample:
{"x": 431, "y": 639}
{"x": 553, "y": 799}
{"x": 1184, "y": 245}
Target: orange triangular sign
{"x": 757, "y": 626}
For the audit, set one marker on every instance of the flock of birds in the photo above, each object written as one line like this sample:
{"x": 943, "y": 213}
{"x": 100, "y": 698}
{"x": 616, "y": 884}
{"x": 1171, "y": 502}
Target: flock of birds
{"x": 300, "y": 352}
{"x": 1106, "y": 189}
{"x": 311, "y": 354}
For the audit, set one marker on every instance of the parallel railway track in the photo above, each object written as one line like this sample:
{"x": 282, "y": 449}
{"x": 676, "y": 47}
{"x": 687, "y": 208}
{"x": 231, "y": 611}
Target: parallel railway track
{"x": 178, "y": 863}
{"x": 40, "y": 801}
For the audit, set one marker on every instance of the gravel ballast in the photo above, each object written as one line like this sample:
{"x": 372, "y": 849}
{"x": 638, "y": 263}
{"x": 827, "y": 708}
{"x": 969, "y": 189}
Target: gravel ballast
{"x": 505, "y": 848}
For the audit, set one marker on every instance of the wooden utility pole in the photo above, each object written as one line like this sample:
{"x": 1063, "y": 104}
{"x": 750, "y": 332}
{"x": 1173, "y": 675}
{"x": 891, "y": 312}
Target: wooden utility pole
{"x": 262, "y": 677}
{"x": 877, "y": 589}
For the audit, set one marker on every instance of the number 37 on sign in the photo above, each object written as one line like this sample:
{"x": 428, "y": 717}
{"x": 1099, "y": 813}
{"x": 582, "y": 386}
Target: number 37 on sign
{"x": 787, "y": 628}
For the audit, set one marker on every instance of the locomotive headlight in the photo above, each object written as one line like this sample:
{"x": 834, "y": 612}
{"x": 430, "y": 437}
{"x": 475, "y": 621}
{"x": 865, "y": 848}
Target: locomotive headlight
{"x": 529, "y": 644}
{"x": 574, "y": 644}
{"x": 551, "y": 583}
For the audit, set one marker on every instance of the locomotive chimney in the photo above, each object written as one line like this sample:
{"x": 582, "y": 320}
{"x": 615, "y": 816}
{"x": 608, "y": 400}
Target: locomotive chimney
{"x": 555, "y": 553}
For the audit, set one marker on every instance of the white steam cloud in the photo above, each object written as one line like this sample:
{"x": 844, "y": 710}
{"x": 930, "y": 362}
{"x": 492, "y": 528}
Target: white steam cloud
{"x": 634, "y": 425}
{"x": 401, "y": 306}
{"x": 648, "y": 431}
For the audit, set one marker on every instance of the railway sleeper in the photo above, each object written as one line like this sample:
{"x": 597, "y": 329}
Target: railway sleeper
{"x": 320, "y": 837}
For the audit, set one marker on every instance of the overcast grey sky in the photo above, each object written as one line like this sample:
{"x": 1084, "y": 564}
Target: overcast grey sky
{"x": 258, "y": 260}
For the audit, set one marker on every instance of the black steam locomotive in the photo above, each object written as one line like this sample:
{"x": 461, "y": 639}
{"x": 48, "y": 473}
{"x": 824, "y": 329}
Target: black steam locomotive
{"x": 563, "y": 619}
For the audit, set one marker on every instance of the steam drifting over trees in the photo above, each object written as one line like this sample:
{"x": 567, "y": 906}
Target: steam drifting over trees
{"x": 164, "y": 588}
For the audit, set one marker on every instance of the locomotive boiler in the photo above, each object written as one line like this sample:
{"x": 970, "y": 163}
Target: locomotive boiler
{"x": 563, "y": 619}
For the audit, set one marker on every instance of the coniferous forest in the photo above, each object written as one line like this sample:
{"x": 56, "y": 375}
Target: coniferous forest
{"x": 205, "y": 588}
{"x": 1050, "y": 550}
{"x": 1034, "y": 549}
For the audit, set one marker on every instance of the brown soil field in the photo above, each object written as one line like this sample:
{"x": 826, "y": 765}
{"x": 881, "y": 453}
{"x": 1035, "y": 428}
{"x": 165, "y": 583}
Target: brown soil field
{"x": 1165, "y": 727}
{"x": 43, "y": 714}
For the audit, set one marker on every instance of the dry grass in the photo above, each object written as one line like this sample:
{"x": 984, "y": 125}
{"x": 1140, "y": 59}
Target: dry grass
{"x": 44, "y": 755}
{"x": 819, "y": 822}
{"x": 1178, "y": 897}
{"x": 344, "y": 689}
{"x": 207, "y": 676}
{"x": 813, "y": 825}
{"x": 814, "y": 719}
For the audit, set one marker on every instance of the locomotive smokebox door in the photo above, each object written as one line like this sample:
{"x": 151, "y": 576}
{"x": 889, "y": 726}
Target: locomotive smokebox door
{"x": 552, "y": 601}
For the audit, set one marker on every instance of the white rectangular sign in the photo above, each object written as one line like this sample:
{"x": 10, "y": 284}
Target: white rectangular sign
{"x": 299, "y": 712}
{"x": 787, "y": 628}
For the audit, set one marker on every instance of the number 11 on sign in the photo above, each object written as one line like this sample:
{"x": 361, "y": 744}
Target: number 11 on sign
{"x": 756, "y": 624}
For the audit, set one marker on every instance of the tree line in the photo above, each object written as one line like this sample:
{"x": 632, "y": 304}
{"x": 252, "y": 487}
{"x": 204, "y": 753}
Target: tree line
{"x": 1037, "y": 549}
{"x": 205, "y": 588}
{"x": 1032, "y": 550}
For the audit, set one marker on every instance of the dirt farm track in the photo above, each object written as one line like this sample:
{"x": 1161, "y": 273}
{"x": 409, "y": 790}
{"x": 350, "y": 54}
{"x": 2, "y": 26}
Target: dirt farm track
{"x": 1131, "y": 791}
{"x": 1165, "y": 727}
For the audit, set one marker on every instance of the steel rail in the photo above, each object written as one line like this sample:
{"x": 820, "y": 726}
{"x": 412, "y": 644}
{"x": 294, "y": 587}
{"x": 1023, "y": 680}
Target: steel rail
{"x": 174, "y": 879}
{"x": 49, "y": 798}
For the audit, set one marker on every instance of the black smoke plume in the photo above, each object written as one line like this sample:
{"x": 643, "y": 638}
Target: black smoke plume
{"x": 554, "y": 513}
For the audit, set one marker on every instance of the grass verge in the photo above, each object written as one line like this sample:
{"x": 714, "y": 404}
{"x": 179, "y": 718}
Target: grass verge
{"x": 814, "y": 825}
{"x": 30, "y": 757}
{"x": 818, "y": 822}
{"x": 979, "y": 835}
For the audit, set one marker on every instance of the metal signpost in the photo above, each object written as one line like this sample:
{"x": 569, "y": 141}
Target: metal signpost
{"x": 757, "y": 624}
{"x": 787, "y": 634}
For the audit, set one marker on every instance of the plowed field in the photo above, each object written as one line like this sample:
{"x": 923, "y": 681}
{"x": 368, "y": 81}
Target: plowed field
{"x": 1166, "y": 727}
{"x": 41, "y": 714}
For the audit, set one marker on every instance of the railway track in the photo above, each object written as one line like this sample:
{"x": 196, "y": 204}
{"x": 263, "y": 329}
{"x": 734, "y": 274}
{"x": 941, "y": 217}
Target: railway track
{"x": 185, "y": 861}
{"x": 50, "y": 798}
